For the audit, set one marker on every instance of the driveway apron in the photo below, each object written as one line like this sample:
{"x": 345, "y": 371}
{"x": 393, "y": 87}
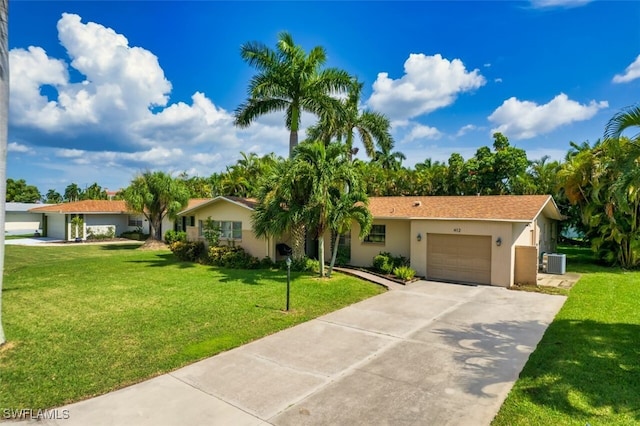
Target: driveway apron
{"x": 430, "y": 353}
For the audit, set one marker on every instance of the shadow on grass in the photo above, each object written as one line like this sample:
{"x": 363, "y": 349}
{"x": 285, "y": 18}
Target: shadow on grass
{"x": 595, "y": 364}
{"x": 583, "y": 369}
{"x": 119, "y": 247}
{"x": 252, "y": 276}
{"x": 163, "y": 260}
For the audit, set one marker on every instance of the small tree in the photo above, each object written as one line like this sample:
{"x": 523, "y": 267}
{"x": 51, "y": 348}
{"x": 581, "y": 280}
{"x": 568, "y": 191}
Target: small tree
{"x": 211, "y": 232}
{"x": 156, "y": 195}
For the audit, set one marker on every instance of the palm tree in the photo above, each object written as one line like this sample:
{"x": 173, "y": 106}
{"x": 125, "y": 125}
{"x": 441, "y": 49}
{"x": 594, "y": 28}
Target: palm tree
{"x": 4, "y": 133}
{"x": 280, "y": 209}
{"x": 289, "y": 80}
{"x": 624, "y": 119}
{"x": 387, "y": 159}
{"x": 156, "y": 195}
{"x": 325, "y": 172}
{"x": 351, "y": 206}
{"x": 372, "y": 127}
{"x": 72, "y": 192}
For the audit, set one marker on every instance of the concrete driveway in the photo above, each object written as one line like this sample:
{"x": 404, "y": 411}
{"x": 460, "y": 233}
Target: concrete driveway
{"x": 430, "y": 353}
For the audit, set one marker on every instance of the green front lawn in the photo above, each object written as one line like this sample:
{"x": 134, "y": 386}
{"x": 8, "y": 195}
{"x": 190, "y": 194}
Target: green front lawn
{"x": 586, "y": 369}
{"x": 83, "y": 320}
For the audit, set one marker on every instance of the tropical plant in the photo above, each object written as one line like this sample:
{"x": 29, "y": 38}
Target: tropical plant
{"x": 156, "y": 195}
{"x": 342, "y": 124}
{"x": 53, "y": 197}
{"x": 386, "y": 157}
{"x": 289, "y": 80}
{"x": 326, "y": 173}
{"x": 211, "y": 232}
{"x": 280, "y": 208}
{"x": 405, "y": 273}
{"x": 72, "y": 192}
{"x": 350, "y": 207}
{"x": 19, "y": 192}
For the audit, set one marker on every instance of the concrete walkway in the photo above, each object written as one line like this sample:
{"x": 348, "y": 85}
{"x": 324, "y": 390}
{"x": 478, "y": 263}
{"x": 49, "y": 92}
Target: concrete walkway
{"x": 425, "y": 353}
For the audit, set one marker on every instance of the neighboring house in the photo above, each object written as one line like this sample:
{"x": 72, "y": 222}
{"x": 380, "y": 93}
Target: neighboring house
{"x": 496, "y": 240}
{"x": 98, "y": 216}
{"x": 20, "y": 221}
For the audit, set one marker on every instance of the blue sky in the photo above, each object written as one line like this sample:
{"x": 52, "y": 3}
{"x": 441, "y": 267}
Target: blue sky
{"x": 103, "y": 90}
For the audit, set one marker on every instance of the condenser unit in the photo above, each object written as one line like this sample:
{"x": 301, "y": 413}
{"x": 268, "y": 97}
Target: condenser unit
{"x": 555, "y": 263}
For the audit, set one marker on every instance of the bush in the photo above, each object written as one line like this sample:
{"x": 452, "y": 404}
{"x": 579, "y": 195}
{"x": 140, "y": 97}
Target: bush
{"x": 304, "y": 264}
{"x": 385, "y": 262}
{"x": 233, "y": 257}
{"x": 134, "y": 235}
{"x": 188, "y": 251}
{"x": 343, "y": 257}
{"x": 171, "y": 237}
{"x": 404, "y": 273}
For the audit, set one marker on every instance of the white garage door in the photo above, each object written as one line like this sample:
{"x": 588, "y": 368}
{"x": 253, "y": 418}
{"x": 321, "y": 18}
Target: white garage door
{"x": 459, "y": 258}
{"x": 56, "y": 226}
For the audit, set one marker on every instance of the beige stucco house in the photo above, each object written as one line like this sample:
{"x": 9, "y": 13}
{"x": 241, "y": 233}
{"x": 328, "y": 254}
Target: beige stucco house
{"x": 233, "y": 217}
{"x": 494, "y": 240}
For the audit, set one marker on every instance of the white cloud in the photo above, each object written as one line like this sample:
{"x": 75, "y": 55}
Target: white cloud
{"x": 525, "y": 119}
{"x": 544, "y": 4}
{"x": 429, "y": 83}
{"x": 631, "y": 73}
{"x": 120, "y": 102}
{"x": 16, "y": 147}
{"x": 466, "y": 129}
{"x": 420, "y": 131}
{"x": 497, "y": 80}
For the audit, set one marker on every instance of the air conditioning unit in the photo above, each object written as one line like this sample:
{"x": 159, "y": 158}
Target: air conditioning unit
{"x": 555, "y": 263}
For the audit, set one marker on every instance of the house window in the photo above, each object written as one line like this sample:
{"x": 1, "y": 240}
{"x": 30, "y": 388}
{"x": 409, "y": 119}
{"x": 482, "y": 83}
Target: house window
{"x": 135, "y": 221}
{"x": 230, "y": 230}
{"x": 377, "y": 234}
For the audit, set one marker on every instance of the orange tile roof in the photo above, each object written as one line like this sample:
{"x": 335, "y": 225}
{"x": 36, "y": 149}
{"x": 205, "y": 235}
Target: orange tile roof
{"x": 98, "y": 206}
{"x": 485, "y": 207}
{"x": 85, "y": 206}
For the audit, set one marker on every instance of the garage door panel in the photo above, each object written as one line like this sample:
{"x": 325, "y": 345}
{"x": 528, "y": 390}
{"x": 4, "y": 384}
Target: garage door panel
{"x": 459, "y": 258}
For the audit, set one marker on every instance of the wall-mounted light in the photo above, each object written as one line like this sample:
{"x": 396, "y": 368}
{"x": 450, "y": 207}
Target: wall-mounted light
{"x": 419, "y": 237}
{"x": 499, "y": 242}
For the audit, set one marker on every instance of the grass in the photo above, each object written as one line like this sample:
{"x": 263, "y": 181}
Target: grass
{"x": 586, "y": 369}
{"x": 84, "y": 320}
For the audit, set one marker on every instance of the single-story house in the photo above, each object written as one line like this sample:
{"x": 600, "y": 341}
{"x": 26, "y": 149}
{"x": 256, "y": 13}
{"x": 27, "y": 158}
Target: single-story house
{"x": 20, "y": 221}
{"x": 495, "y": 240}
{"x": 98, "y": 216}
{"x": 233, "y": 217}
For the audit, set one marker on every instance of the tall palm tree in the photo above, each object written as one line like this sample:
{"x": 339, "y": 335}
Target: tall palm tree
{"x": 342, "y": 124}
{"x": 289, "y": 80}
{"x": 4, "y": 133}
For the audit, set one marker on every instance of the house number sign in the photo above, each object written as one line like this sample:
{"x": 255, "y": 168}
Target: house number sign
{"x": 457, "y": 229}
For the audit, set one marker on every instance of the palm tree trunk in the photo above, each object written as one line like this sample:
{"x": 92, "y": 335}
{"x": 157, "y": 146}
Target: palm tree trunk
{"x": 4, "y": 134}
{"x": 297, "y": 237}
{"x": 334, "y": 256}
{"x": 293, "y": 141}
{"x": 321, "y": 254}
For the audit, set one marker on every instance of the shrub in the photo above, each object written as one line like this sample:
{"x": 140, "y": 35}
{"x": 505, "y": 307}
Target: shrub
{"x": 343, "y": 257}
{"x": 404, "y": 273}
{"x": 233, "y": 257}
{"x": 172, "y": 236}
{"x": 385, "y": 262}
{"x": 188, "y": 251}
{"x": 304, "y": 264}
{"x": 211, "y": 232}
